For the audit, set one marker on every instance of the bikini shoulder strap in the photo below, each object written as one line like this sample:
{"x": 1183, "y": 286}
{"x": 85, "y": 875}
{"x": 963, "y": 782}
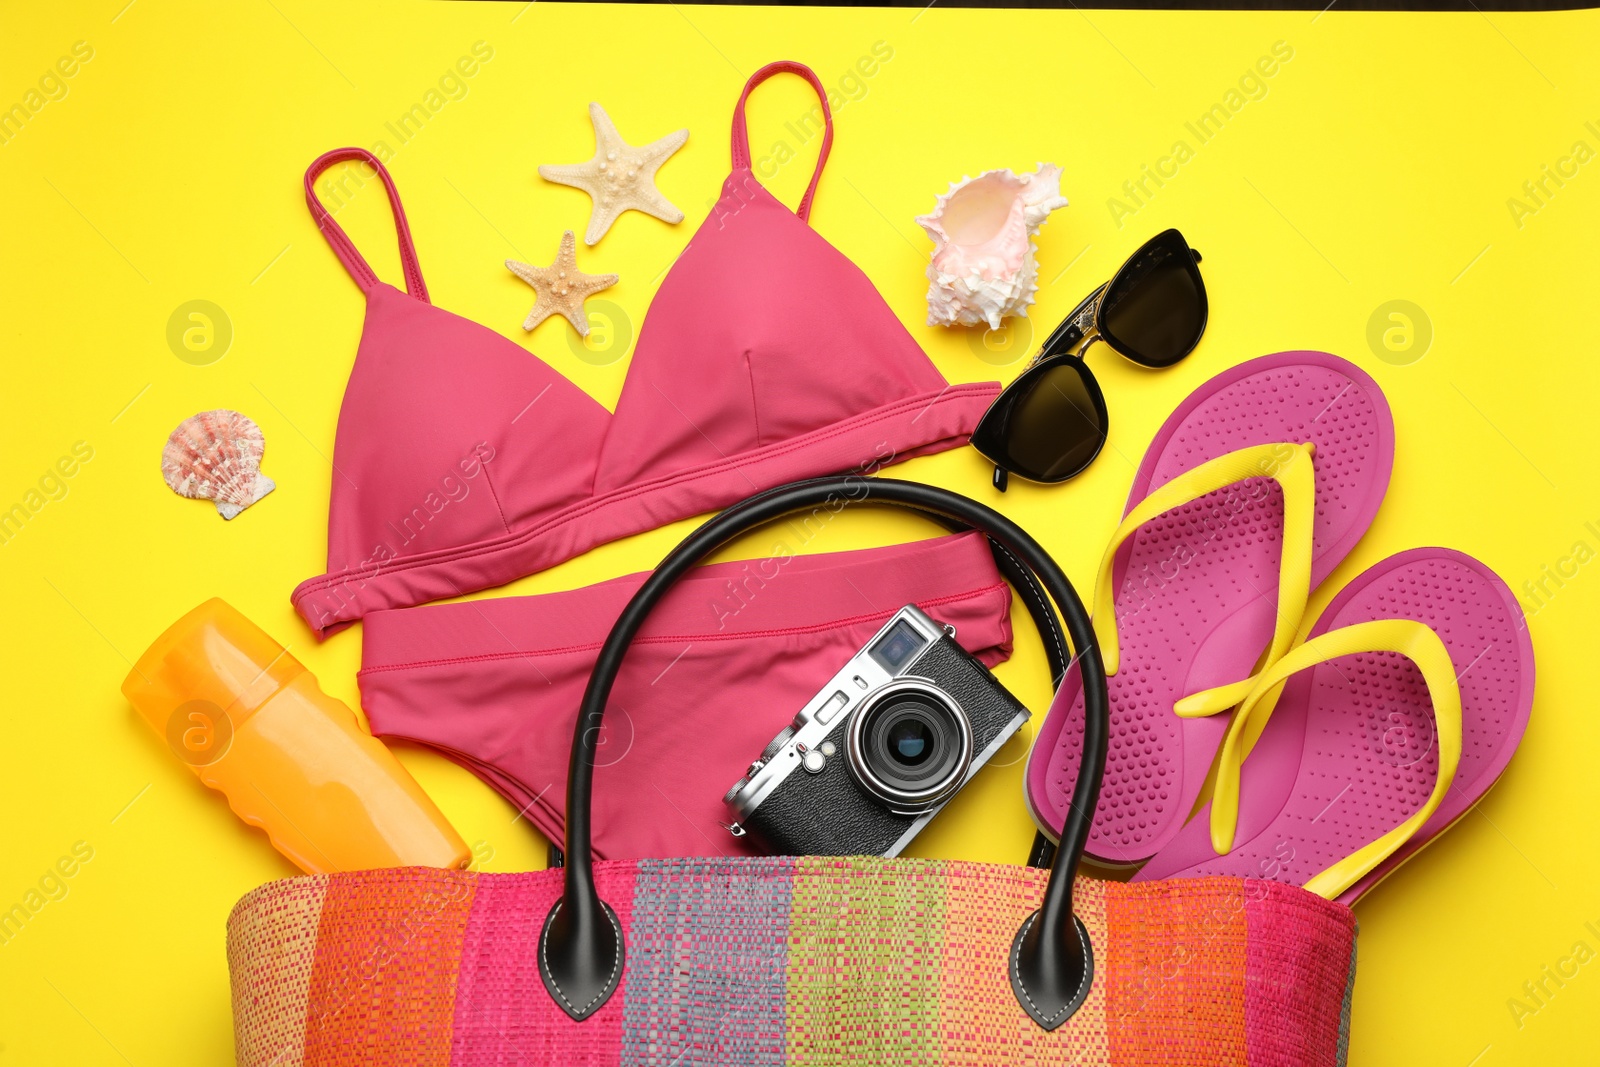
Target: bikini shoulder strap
{"x": 363, "y": 274}
{"x": 741, "y": 135}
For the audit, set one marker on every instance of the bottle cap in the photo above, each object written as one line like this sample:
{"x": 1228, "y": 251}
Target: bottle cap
{"x": 212, "y": 655}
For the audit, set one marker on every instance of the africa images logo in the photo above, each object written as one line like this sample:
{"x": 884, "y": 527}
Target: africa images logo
{"x": 1252, "y": 85}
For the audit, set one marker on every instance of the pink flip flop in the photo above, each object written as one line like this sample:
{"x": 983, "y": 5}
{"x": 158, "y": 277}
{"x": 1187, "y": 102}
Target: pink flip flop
{"x": 1336, "y": 792}
{"x": 1191, "y": 598}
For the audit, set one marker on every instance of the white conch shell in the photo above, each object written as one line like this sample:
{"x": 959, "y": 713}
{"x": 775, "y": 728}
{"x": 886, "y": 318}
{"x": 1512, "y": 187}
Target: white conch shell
{"x": 983, "y": 268}
{"x": 216, "y": 456}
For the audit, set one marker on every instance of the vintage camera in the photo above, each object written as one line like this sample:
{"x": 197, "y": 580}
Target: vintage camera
{"x": 884, "y": 745}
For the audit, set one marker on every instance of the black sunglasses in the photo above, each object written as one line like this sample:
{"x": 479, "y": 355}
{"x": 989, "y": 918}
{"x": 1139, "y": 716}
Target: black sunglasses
{"x": 1050, "y": 424}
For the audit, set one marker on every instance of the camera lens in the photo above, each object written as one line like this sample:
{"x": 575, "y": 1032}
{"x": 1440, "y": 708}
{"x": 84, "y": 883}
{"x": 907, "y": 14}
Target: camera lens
{"x": 910, "y": 745}
{"x": 910, "y": 742}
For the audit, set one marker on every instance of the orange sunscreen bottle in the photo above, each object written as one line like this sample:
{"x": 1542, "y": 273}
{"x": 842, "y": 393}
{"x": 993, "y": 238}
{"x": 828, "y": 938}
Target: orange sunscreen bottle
{"x": 253, "y": 723}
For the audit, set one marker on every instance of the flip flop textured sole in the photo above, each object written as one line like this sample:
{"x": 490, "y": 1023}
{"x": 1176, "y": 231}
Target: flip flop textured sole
{"x": 1350, "y": 751}
{"x": 1197, "y": 586}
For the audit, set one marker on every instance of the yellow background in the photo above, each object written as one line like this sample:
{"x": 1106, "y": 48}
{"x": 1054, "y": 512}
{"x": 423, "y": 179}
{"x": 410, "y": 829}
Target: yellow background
{"x": 1376, "y": 167}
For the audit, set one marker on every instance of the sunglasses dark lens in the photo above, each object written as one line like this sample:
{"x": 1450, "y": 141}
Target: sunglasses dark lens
{"x": 1055, "y": 426}
{"x": 1155, "y": 308}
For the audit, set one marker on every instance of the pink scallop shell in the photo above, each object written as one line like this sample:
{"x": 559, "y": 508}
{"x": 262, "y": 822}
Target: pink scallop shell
{"x": 216, "y": 456}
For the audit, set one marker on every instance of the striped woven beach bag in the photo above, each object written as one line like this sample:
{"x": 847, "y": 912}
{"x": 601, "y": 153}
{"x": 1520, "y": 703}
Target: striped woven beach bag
{"x": 796, "y": 960}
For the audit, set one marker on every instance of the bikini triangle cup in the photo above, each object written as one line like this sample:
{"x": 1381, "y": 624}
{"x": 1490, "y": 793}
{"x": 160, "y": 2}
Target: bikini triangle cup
{"x": 461, "y": 462}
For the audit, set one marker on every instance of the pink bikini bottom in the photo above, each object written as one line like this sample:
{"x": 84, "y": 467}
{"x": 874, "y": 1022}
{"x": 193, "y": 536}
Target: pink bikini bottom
{"x": 719, "y": 669}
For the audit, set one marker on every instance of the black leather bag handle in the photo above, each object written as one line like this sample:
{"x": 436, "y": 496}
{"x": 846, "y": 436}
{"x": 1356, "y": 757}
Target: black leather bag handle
{"x": 581, "y": 951}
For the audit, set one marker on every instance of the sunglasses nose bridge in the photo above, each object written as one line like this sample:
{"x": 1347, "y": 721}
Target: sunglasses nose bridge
{"x": 1074, "y": 330}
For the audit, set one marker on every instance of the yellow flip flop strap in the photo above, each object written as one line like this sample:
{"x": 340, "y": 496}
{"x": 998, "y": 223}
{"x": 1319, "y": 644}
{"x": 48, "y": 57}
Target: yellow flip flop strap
{"x": 1289, "y": 466}
{"x": 1411, "y": 639}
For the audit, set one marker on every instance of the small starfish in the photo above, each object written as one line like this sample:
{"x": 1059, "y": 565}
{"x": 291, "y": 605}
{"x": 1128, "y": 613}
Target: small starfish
{"x": 620, "y": 176}
{"x": 561, "y": 287}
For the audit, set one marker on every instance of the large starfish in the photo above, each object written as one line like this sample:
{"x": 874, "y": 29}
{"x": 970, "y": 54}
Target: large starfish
{"x": 561, "y": 287}
{"x": 620, "y": 176}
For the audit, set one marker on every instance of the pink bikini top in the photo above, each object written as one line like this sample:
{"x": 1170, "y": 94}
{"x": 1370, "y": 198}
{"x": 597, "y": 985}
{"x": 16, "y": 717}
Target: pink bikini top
{"x": 461, "y": 462}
